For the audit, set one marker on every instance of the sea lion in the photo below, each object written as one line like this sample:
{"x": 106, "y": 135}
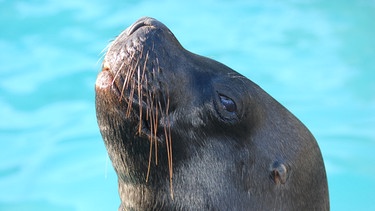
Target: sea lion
{"x": 185, "y": 132}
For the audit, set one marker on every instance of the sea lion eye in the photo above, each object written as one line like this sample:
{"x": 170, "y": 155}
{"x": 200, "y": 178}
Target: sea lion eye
{"x": 228, "y": 104}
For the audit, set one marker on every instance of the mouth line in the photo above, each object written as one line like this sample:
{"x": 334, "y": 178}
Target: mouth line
{"x": 107, "y": 80}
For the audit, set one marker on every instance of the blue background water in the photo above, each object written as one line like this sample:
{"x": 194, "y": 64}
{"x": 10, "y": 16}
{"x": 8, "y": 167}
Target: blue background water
{"x": 316, "y": 57}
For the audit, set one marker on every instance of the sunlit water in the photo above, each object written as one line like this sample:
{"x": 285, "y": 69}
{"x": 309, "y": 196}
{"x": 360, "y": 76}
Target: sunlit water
{"x": 316, "y": 58}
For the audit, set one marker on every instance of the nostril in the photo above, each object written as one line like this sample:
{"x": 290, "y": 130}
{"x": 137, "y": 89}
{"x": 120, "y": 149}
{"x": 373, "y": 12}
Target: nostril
{"x": 146, "y": 21}
{"x": 135, "y": 27}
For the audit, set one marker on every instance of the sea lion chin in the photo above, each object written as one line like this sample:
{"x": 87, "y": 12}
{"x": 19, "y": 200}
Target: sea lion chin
{"x": 185, "y": 132}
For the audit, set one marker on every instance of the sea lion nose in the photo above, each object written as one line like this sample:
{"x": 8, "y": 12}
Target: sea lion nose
{"x": 145, "y": 21}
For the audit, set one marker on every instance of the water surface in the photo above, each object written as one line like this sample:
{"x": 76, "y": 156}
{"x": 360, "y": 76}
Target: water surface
{"x": 315, "y": 57}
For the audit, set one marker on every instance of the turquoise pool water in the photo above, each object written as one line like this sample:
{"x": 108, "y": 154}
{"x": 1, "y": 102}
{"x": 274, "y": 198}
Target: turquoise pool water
{"x": 315, "y": 57}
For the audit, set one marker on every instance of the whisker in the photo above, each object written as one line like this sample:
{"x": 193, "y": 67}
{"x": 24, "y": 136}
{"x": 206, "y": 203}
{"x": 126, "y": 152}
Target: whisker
{"x": 151, "y": 103}
{"x": 131, "y": 97}
{"x": 151, "y": 125}
{"x": 149, "y": 162}
{"x": 140, "y": 99}
{"x": 168, "y": 141}
{"x": 117, "y": 72}
{"x": 129, "y": 74}
{"x": 103, "y": 53}
{"x": 155, "y": 133}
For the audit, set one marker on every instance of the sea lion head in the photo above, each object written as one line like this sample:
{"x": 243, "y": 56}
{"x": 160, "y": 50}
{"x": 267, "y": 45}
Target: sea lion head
{"x": 185, "y": 131}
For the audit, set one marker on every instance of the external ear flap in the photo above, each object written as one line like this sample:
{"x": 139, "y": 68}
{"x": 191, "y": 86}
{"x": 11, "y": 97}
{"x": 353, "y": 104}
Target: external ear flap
{"x": 279, "y": 173}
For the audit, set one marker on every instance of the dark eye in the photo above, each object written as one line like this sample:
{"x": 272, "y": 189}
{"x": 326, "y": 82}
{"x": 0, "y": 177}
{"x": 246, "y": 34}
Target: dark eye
{"x": 228, "y": 104}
